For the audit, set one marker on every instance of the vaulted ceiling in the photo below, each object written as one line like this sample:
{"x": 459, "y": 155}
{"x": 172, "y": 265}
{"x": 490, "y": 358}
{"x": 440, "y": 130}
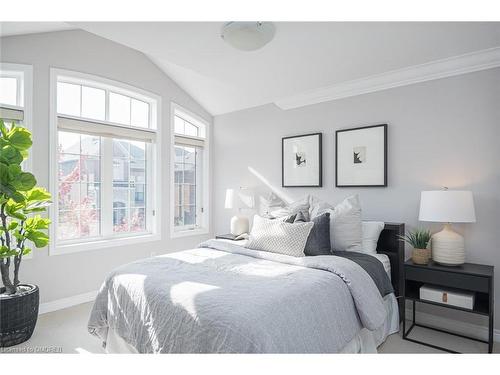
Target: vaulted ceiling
{"x": 303, "y": 56}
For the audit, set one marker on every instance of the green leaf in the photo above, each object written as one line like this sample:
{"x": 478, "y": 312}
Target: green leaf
{"x": 5, "y": 252}
{"x": 38, "y": 194}
{"x": 3, "y": 129}
{"x": 419, "y": 238}
{"x": 8, "y": 254}
{"x": 15, "y": 170}
{"x": 10, "y": 155}
{"x": 5, "y": 175}
{"x": 12, "y": 225}
{"x": 20, "y": 138}
{"x": 11, "y": 209}
{"x": 26, "y": 251}
{"x": 17, "y": 197}
{"x": 37, "y": 222}
{"x": 40, "y": 239}
{"x": 24, "y": 181}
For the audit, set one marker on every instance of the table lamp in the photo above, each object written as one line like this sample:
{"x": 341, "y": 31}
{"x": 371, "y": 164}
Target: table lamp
{"x": 447, "y": 206}
{"x": 239, "y": 223}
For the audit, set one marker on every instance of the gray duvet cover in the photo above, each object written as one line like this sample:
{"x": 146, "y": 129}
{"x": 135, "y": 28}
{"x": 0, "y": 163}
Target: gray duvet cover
{"x": 223, "y": 298}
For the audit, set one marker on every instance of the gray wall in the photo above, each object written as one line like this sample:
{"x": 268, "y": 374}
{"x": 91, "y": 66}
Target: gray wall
{"x": 71, "y": 274}
{"x": 440, "y": 133}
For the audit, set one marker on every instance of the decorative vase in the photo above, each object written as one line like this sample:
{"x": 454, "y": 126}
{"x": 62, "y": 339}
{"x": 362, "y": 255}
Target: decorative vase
{"x": 421, "y": 256}
{"x": 448, "y": 247}
{"x": 18, "y": 315}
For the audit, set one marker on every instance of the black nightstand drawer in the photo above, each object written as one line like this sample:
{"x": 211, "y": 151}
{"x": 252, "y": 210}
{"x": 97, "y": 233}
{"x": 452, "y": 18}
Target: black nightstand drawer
{"x": 449, "y": 279}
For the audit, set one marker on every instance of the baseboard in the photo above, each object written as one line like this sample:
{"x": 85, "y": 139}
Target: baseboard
{"x": 469, "y": 329}
{"x": 64, "y": 303}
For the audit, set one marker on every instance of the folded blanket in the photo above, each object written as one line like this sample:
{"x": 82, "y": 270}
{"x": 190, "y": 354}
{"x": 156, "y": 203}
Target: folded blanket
{"x": 373, "y": 267}
{"x": 224, "y": 298}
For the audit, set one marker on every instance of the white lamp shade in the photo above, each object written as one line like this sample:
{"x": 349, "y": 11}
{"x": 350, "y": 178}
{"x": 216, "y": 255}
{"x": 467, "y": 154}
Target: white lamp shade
{"x": 229, "y": 203}
{"x": 447, "y": 206}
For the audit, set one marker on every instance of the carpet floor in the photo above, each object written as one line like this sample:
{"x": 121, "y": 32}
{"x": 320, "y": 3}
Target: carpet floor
{"x": 65, "y": 331}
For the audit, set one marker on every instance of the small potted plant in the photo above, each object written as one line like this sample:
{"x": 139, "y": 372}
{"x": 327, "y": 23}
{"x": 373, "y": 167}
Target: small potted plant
{"x": 419, "y": 240}
{"x": 21, "y": 226}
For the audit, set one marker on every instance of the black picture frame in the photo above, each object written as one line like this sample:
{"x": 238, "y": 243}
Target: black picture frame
{"x": 384, "y": 184}
{"x": 320, "y": 159}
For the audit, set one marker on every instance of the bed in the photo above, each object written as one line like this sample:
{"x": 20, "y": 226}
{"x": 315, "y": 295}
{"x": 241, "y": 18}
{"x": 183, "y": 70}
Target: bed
{"x": 225, "y": 298}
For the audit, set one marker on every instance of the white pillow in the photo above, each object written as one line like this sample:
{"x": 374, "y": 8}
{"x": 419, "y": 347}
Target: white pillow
{"x": 279, "y": 237}
{"x": 345, "y": 222}
{"x": 292, "y": 208}
{"x": 371, "y": 233}
{"x": 317, "y": 207}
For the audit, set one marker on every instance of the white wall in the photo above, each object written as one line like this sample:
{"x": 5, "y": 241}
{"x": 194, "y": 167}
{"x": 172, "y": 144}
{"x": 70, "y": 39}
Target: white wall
{"x": 440, "y": 133}
{"x": 71, "y": 274}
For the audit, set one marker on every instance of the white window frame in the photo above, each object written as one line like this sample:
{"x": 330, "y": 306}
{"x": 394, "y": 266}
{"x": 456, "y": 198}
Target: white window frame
{"x": 24, "y": 75}
{"x": 153, "y": 189}
{"x": 204, "y": 227}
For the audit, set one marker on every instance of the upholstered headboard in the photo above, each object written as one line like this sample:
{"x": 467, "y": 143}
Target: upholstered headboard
{"x": 389, "y": 244}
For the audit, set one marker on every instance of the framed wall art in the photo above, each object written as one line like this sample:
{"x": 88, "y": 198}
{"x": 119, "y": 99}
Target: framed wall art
{"x": 301, "y": 161}
{"x": 361, "y": 156}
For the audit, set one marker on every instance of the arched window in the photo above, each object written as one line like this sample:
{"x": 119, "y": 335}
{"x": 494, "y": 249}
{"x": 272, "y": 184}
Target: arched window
{"x": 105, "y": 153}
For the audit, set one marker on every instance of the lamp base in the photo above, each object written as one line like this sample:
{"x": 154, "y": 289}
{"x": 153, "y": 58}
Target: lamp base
{"x": 239, "y": 225}
{"x": 448, "y": 247}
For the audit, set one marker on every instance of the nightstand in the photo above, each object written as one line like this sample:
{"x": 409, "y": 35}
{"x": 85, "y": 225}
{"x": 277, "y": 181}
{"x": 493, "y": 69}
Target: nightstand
{"x": 469, "y": 277}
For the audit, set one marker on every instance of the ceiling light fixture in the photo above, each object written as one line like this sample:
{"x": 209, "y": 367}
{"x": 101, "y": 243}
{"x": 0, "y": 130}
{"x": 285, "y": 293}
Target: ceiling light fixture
{"x": 248, "y": 36}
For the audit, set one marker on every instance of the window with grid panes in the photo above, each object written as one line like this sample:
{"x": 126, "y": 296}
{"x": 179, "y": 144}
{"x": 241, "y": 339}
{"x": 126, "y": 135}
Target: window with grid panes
{"x": 189, "y": 172}
{"x": 106, "y": 144}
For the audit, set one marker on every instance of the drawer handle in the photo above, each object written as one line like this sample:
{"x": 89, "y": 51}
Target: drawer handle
{"x": 445, "y": 297}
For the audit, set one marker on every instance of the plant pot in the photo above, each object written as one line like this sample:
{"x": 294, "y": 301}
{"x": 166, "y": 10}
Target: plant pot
{"x": 18, "y": 314}
{"x": 421, "y": 256}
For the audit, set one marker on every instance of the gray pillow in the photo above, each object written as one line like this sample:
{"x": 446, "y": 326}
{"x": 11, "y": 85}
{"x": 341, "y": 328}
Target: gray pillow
{"x": 318, "y": 242}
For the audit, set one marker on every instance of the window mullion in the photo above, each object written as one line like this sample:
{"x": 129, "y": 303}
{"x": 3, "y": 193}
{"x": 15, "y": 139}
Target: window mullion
{"x": 106, "y": 105}
{"x": 107, "y": 186}
{"x": 199, "y": 187}
{"x": 150, "y": 163}
{"x": 20, "y": 92}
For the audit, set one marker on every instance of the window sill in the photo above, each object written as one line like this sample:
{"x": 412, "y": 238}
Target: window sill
{"x": 101, "y": 244}
{"x": 189, "y": 233}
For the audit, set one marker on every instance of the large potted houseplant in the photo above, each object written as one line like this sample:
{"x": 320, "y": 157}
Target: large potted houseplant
{"x": 21, "y": 227}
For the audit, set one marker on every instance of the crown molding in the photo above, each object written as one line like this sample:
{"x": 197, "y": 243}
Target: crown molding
{"x": 449, "y": 67}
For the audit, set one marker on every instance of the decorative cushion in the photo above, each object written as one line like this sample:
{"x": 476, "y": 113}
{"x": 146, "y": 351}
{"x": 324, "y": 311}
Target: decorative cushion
{"x": 345, "y": 222}
{"x": 318, "y": 242}
{"x": 276, "y": 236}
{"x": 371, "y": 232}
